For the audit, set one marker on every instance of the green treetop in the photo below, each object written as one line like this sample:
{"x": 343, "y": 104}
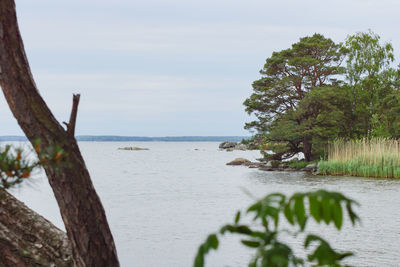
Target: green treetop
{"x": 374, "y": 86}
{"x": 288, "y": 76}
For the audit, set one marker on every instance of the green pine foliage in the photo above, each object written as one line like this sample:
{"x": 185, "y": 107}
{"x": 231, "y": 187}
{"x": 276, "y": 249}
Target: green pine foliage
{"x": 281, "y": 101}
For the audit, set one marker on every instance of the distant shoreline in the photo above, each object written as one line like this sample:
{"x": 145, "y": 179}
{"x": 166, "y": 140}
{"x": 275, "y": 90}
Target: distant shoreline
{"x": 116, "y": 138}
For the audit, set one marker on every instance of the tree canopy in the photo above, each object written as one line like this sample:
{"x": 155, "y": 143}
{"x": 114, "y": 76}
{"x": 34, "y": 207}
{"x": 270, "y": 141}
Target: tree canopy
{"x": 281, "y": 100}
{"x": 319, "y": 90}
{"x": 373, "y": 84}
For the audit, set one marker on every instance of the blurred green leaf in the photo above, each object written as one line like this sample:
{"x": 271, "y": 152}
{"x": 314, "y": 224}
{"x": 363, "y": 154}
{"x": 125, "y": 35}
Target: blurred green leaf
{"x": 249, "y": 243}
{"x": 237, "y": 218}
{"x": 289, "y": 214}
{"x": 337, "y": 214}
{"x": 315, "y": 208}
{"x": 299, "y": 210}
{"x": 326, "y": 209}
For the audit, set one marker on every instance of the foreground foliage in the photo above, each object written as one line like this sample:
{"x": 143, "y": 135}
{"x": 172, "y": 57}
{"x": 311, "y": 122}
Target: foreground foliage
{"x": 15, "y": 165}
{"x": 263, "y": 234}
{"x": 376, "y": 157}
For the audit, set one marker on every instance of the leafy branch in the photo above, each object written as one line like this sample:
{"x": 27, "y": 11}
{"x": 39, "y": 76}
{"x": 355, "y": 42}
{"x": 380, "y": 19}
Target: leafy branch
{"x": 263, "y": 235}
{"x": 15, "y": 167}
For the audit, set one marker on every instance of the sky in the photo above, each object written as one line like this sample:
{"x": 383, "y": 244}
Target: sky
{"x": 172, "y": 67}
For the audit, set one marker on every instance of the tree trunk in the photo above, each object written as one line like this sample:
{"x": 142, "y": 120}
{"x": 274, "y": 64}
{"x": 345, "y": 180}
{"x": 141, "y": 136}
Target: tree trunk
{"x": 28, "y": 239}
{"x": 307, "y": 146}
{"x": 82, "y": 212}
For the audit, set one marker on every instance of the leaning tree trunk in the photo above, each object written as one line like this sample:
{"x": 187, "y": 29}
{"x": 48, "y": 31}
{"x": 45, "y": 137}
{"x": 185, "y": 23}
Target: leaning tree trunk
{"x": 80, "y": 207}
{"x": 307, "y": 148}
{"x": 28, "y": 239}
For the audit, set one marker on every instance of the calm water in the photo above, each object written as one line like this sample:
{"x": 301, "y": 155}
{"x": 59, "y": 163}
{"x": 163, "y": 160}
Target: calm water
{"x": 162, "y": 203}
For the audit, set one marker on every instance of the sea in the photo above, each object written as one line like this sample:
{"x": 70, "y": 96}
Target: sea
{"x": 162, "y": 203}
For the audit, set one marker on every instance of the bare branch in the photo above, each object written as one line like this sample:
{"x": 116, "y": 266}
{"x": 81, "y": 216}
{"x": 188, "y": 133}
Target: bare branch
{"x": 74, "y": 112}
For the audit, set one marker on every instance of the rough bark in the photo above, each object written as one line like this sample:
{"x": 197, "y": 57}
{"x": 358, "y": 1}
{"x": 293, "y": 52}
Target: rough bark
{"x": 307, "y": 148}
{"x": 28, "y": 239}
{"x": 80, "y": 207}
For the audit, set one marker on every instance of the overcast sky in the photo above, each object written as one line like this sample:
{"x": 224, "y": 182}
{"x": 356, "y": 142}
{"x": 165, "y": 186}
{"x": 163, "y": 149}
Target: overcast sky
{"x": 172, "y": 67}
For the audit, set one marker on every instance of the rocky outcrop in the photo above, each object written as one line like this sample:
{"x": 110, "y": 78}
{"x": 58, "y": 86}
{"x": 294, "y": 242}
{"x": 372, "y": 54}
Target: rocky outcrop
{"x": 273, "y": 165}
{"x": 227, "y": 144}
{"x": 230, "y": 146}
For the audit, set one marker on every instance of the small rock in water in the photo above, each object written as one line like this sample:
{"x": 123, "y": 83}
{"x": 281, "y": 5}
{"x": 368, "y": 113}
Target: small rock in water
{"x": 239, "y": 161}
{"x": 132, "y": 148}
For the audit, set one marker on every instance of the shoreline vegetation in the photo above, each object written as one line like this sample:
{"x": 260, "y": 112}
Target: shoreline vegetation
{"x": 317, "y": 95}
{"x": 318, "y": 91}
{"x": 376, "y": 157}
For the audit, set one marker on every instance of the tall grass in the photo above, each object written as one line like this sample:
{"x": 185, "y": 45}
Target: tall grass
{"x": 377, "y": 157}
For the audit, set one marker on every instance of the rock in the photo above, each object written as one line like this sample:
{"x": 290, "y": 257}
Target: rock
{"x": 132, "y": 148}
{"x": 268, "y": 164}
{"x": 240, "y": 147}
{"x": 239, "y": 161}
{"x": 254, "y": 165}
{"x": 268, "y": 169}
{"x": 312, "y": 166}
{"x": 230, "y": 146}
{"x": 227, "y": 144}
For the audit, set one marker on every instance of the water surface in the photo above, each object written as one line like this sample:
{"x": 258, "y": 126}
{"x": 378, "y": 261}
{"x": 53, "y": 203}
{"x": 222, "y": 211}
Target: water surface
{"x": 163, "y": 202}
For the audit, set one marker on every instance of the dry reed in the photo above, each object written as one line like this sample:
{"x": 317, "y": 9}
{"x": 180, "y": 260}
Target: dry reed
{"x": 377, "y": 157}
